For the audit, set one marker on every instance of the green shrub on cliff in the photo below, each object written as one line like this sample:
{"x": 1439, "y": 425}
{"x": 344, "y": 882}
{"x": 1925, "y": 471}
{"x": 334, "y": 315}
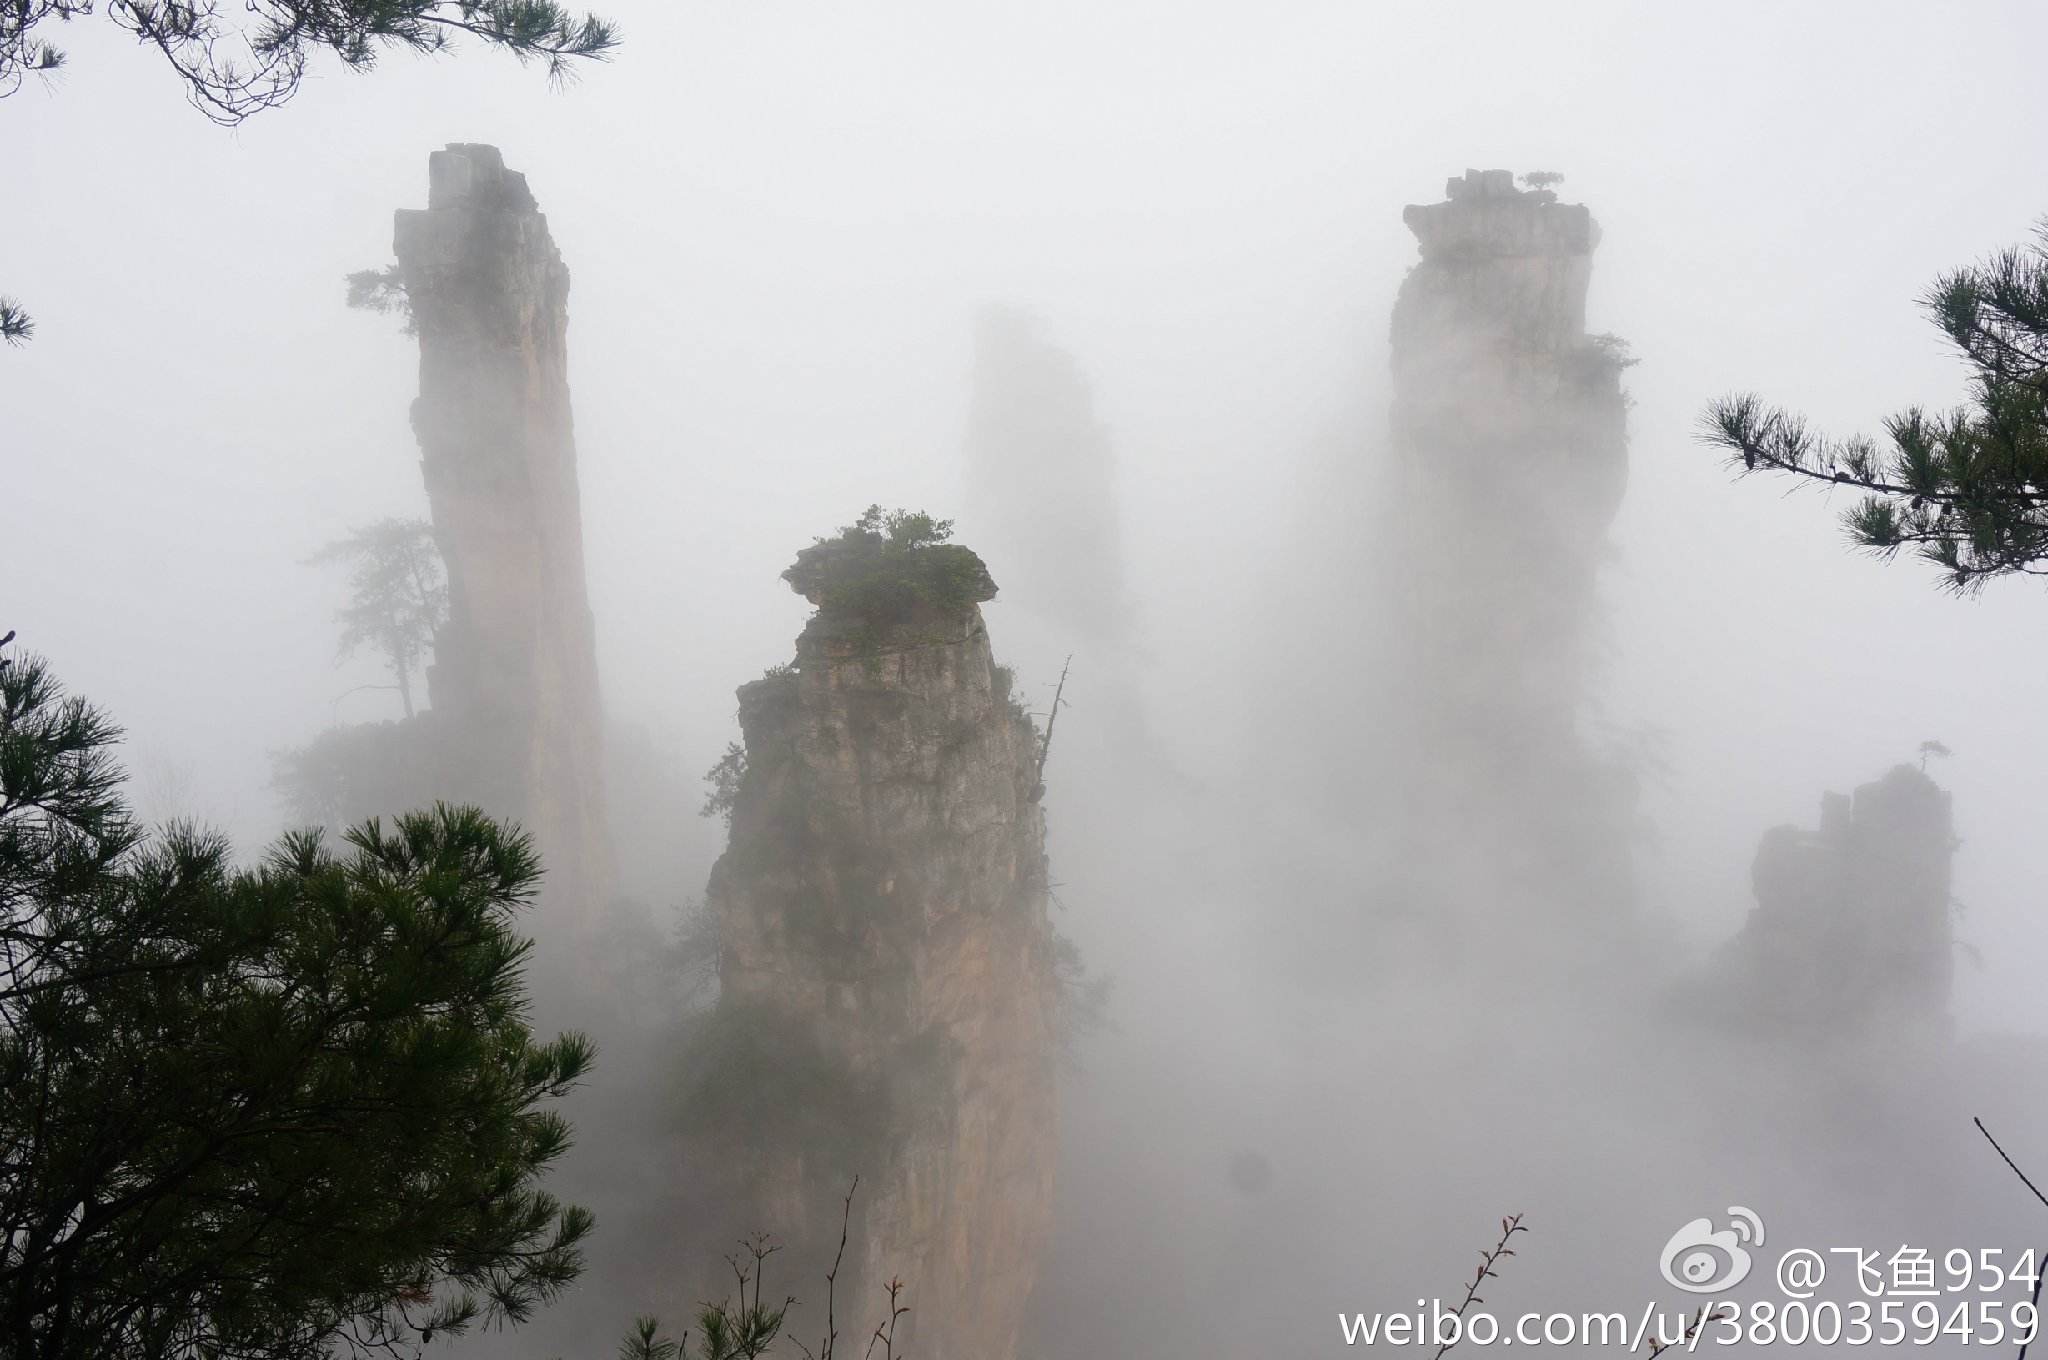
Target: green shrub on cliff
{"x": 888, "y": 567}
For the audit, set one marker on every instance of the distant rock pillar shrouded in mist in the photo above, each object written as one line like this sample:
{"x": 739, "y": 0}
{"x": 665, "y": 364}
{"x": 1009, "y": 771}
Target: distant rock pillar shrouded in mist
{"x": 1852, "y": 937}
{"x": 1510, "y": 457}
{"x": 887, "y": 994}
{"x": 1042, "y": 476}
{"x": 515, "y": 668}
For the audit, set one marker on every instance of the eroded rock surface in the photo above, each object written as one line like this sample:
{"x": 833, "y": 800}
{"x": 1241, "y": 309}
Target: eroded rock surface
{"x": 1510, "y": 457}
{"x": 887, "y": 992}
{"x": 515, "y": 669}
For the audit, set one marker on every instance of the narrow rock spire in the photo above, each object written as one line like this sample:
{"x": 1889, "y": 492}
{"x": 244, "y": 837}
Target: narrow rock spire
{"x": 515, "y": 668}
{"x": 884, "y": 952}
{"x": 1509, "y": 461}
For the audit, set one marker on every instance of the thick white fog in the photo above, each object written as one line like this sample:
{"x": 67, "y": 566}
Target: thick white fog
{"x": 782, "y": 223}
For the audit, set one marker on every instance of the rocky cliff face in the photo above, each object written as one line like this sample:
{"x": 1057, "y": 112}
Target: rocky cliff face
{"x": 515, "y": 670}
{"x": 1510, "y": 457}
{"x": 887, "y": 995}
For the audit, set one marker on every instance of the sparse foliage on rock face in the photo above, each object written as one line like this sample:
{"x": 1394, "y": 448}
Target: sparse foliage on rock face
{"x": 284, "y": 1111}
{"x": 722, "y": 783}
{"x": 382, "y": 291}
{"x": 1613, "y": 350}
{"x": 1967, "y": 490}
{"x": 887, "y": 566}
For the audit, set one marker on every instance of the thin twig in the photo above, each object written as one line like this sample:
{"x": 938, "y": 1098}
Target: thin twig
{"x": 2009, "y": 1161}
{"x": 885, "y": 1334}
{"x": 1051, "y": 717}
{"x": 1658, "y": 1345}
{"x": 1508, "y": 1228}
{"x": 832, "y": 1277}
{"x": 2041, "y": 1264}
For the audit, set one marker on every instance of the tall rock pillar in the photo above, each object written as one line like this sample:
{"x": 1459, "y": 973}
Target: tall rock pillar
{"x": 1510, "y": 456}
{"x": 887, "y": 995}
{"x": 515, "y": 669}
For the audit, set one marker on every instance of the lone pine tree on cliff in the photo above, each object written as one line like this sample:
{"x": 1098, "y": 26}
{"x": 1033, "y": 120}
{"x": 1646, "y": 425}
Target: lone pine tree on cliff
{"x": 1966, "y": 489}
{"x": 398, "y": 595}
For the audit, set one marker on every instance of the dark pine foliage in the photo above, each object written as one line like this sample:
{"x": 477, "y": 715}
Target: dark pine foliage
{"x": 239, "y": 59}
{"x": 281, "y": 1111}
{"x": 1967, "y": 489}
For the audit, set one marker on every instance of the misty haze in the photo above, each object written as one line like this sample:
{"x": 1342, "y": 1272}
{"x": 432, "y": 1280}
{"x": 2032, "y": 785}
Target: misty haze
{"x": 1021, "y": 683}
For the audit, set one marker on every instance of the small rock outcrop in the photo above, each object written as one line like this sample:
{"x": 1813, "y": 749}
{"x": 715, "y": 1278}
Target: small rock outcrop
{"x": 1852, "y": 934}
{"x": 887, "y": 991}
{"x": 1509, "y": 461}
{"x": 515, "y": 667}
